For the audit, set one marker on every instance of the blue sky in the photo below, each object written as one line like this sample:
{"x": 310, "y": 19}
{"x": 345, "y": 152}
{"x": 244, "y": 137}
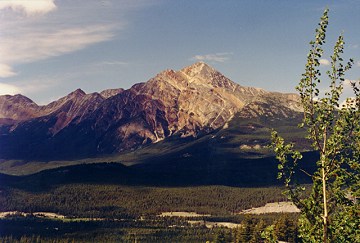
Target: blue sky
{"x": 49, "y": 48}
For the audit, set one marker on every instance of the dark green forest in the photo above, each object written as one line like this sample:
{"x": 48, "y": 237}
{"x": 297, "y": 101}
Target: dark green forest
{"x": 124, "y": 213}
{"x": 116, "y": 201}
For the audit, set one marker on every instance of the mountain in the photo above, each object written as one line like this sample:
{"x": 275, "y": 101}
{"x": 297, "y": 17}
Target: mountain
{"x": 190, "y": 102}
{"x": 16, "y": 108}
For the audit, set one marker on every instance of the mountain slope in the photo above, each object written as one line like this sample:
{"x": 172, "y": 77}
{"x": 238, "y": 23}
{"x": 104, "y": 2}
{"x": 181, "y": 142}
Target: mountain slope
{"x": 234, "y": 156}
{"x": 72, "y": 108}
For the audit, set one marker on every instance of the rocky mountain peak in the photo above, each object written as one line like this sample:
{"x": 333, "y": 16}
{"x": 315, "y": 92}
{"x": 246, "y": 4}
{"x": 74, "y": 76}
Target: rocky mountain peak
{"x": 17, "y": 107}
{"x": 77, "y": 93}
{"x": 18, "y": 98}
{"x": 199, "y": 69}
{"x": 55, "y": 105}
{"x": 193, "y": 76}
{"x": 201, "y": 73}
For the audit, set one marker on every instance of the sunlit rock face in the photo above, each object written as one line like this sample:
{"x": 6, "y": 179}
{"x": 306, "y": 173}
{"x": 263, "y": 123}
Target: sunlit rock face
{"x": 110, "y": 92}
{"x": 16, "y": 108}
{"x": 194, "y": 100}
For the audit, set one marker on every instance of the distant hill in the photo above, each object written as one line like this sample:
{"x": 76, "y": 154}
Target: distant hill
{"x": 179, "y": 172}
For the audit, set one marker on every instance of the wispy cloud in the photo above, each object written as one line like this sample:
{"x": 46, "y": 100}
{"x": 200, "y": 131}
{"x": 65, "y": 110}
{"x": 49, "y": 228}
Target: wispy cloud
{"x": 324, "y": 62}
{"x": 216, "y": 57}
{"x": 28, "y": 7}
{"x": 34, "y": 46}
{"x": 6, "y": 71}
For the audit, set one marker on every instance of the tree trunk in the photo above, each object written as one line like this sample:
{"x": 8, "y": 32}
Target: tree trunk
{"x": 325, "y": 215}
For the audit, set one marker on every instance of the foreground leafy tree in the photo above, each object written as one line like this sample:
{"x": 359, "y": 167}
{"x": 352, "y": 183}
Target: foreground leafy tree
{"x": 331, "y": 212}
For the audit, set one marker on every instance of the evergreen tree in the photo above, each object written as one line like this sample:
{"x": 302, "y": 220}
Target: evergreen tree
{"x": 269, "y": 235}
{"x": 244, "y": 231}
{"x": 220, "y": 237}
{"x": 256, "y": 234}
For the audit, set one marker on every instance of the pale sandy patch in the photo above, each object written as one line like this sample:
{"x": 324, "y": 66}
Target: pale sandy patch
{"x": 36, "y": 214}
{"x": 11, "y": 213}
{"x": 49, "y": 215}
{"x": 277, "y": 207}
{"x": 183, "y": 214}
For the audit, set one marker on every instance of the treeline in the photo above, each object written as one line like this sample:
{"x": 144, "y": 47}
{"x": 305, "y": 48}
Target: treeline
{"x": 250, "y": 231}
{"x": 115, "y": 201}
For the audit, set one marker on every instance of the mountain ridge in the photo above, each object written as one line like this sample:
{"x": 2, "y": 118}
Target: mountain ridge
{"x": 192, "y": 101}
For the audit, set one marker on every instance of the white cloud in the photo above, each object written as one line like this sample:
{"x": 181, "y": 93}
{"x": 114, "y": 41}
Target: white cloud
{"x": 217, "y": 57}
{"x": 29, "y": 7}
{"x": 348, "y": 90}
{"x": 38, "y": 45}
{"x": 358, "y": 63}
{"x": 6, "y": 71}
{"x": 324, "y": 62}
{"x": 7, "y": 89}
